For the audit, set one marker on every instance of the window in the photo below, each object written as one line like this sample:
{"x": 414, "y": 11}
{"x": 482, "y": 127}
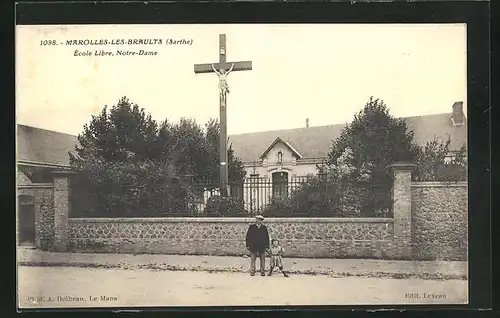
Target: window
{"x": 280, "y": 157}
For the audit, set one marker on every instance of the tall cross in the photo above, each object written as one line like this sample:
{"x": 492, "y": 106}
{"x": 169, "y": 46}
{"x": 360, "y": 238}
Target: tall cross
{"x": 223, "y": 68}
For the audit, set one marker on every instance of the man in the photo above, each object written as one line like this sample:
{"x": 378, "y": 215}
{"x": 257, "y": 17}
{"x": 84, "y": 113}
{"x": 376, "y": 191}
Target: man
{"x": 257, "y": 241}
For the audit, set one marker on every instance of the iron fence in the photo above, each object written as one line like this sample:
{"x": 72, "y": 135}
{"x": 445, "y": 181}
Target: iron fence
{"x": 188, "y": 196}
{"x": 255, "y": 193}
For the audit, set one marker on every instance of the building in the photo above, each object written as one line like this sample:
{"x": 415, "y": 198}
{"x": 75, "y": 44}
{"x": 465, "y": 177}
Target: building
{"x": 272, "y": 159}
{"x": 40, "y": 152}
{"x": 296, "y": 152}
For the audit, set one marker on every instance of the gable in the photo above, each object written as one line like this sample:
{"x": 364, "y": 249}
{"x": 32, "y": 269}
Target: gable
{"x": 312, "y": 142}
{"x": 279, "y": 146}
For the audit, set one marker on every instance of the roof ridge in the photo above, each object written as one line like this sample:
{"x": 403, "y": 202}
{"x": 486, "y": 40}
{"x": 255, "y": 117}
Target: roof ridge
{"x": 248, "y": 133}
{"x": 47, "y": 130}
{"x": 285, "y": 130}
{"x": 327, "y": 126}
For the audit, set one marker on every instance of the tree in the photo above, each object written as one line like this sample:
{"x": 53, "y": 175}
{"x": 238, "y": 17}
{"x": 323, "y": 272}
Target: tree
{"x": 434, "y": 162}
{"x": 376, "y": 138}
{"x": 195, "y": 150}
{"x": 371, "y": 142}
{"x": 126, "y": 163}
{"x": 124, "y": 133}
{"x": 189, "y": 150}
{"x": 236, "y": 171}
{"x": 120, "y": 166}
{"x": 165, "y": 141}
{"x": 128, "y": 189}
{"x": 212, "y": 131}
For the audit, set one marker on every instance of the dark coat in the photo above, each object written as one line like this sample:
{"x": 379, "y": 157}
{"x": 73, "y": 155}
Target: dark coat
{"x": 257, "y": 239}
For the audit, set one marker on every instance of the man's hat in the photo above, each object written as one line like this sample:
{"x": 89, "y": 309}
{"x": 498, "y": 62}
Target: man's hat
{"x": 259, "y": 217}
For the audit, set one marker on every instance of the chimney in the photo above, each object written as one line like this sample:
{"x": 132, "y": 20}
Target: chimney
{"x": 457, "y": 114}
{"x": 307, "y": 122}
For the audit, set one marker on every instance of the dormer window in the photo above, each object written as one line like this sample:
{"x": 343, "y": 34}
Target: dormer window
{"x": 280, "y": 157}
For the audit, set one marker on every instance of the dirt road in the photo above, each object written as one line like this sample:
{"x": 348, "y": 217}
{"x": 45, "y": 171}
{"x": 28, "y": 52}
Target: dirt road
{"x": 84, "y": 287}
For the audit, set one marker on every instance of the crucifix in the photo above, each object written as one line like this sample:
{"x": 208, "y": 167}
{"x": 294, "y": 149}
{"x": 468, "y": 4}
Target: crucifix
{"x": 222, "y": 69}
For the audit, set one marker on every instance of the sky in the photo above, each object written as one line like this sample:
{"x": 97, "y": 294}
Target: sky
{"x": 323, "y": 72}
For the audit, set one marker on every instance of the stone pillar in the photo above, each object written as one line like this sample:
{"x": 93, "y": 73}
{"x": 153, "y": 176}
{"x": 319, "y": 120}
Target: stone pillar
{"x": 61, "y": 210}
{"x": 401, "y": 197}
{"x": 38, "y": 218}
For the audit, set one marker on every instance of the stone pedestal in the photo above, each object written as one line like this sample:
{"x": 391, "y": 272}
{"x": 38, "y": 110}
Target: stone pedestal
{"x": 401, "y": 197}
{"x": 61, "y": 210}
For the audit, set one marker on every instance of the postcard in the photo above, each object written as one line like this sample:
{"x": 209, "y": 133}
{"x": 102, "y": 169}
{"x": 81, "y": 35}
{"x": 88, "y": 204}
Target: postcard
{"x": 241, "y": 165}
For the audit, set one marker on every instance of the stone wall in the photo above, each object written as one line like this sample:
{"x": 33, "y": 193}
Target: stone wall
{"x": 430, "y": 222}
{"x": 51, "y": 210}
{"x": 439, "y": 220}
{"x": 331, "y": 237}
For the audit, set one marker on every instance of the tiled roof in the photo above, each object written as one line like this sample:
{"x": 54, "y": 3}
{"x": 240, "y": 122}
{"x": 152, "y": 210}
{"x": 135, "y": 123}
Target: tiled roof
{"x": 44, "y": 146}
{"x": 315, "y": 142}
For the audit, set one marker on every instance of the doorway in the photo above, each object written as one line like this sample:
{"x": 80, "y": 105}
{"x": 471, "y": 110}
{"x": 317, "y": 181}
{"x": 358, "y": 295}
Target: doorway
{"x": 26, "y": 220}
{"x": 280, "y": 185}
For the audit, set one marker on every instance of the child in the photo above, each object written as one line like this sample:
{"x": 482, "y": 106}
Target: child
{"x": 276, "y": 252}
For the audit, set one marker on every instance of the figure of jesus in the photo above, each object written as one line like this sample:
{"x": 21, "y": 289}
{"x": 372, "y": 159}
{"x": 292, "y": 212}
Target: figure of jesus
{"x": 223, "y": 87}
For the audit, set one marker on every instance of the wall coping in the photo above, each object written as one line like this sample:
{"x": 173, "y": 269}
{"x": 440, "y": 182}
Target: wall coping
{"x": 36, "y": 186}
{"x": 229, "y": 220}
{"x": 401, "y": 166}
{"x": 63, "y": 173}
{"x": 439, "y": 184}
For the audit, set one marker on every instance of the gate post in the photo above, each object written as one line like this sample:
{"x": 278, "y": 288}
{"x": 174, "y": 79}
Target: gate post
{"x": 61, "y": 210}
{"x": 401, "y": 200}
